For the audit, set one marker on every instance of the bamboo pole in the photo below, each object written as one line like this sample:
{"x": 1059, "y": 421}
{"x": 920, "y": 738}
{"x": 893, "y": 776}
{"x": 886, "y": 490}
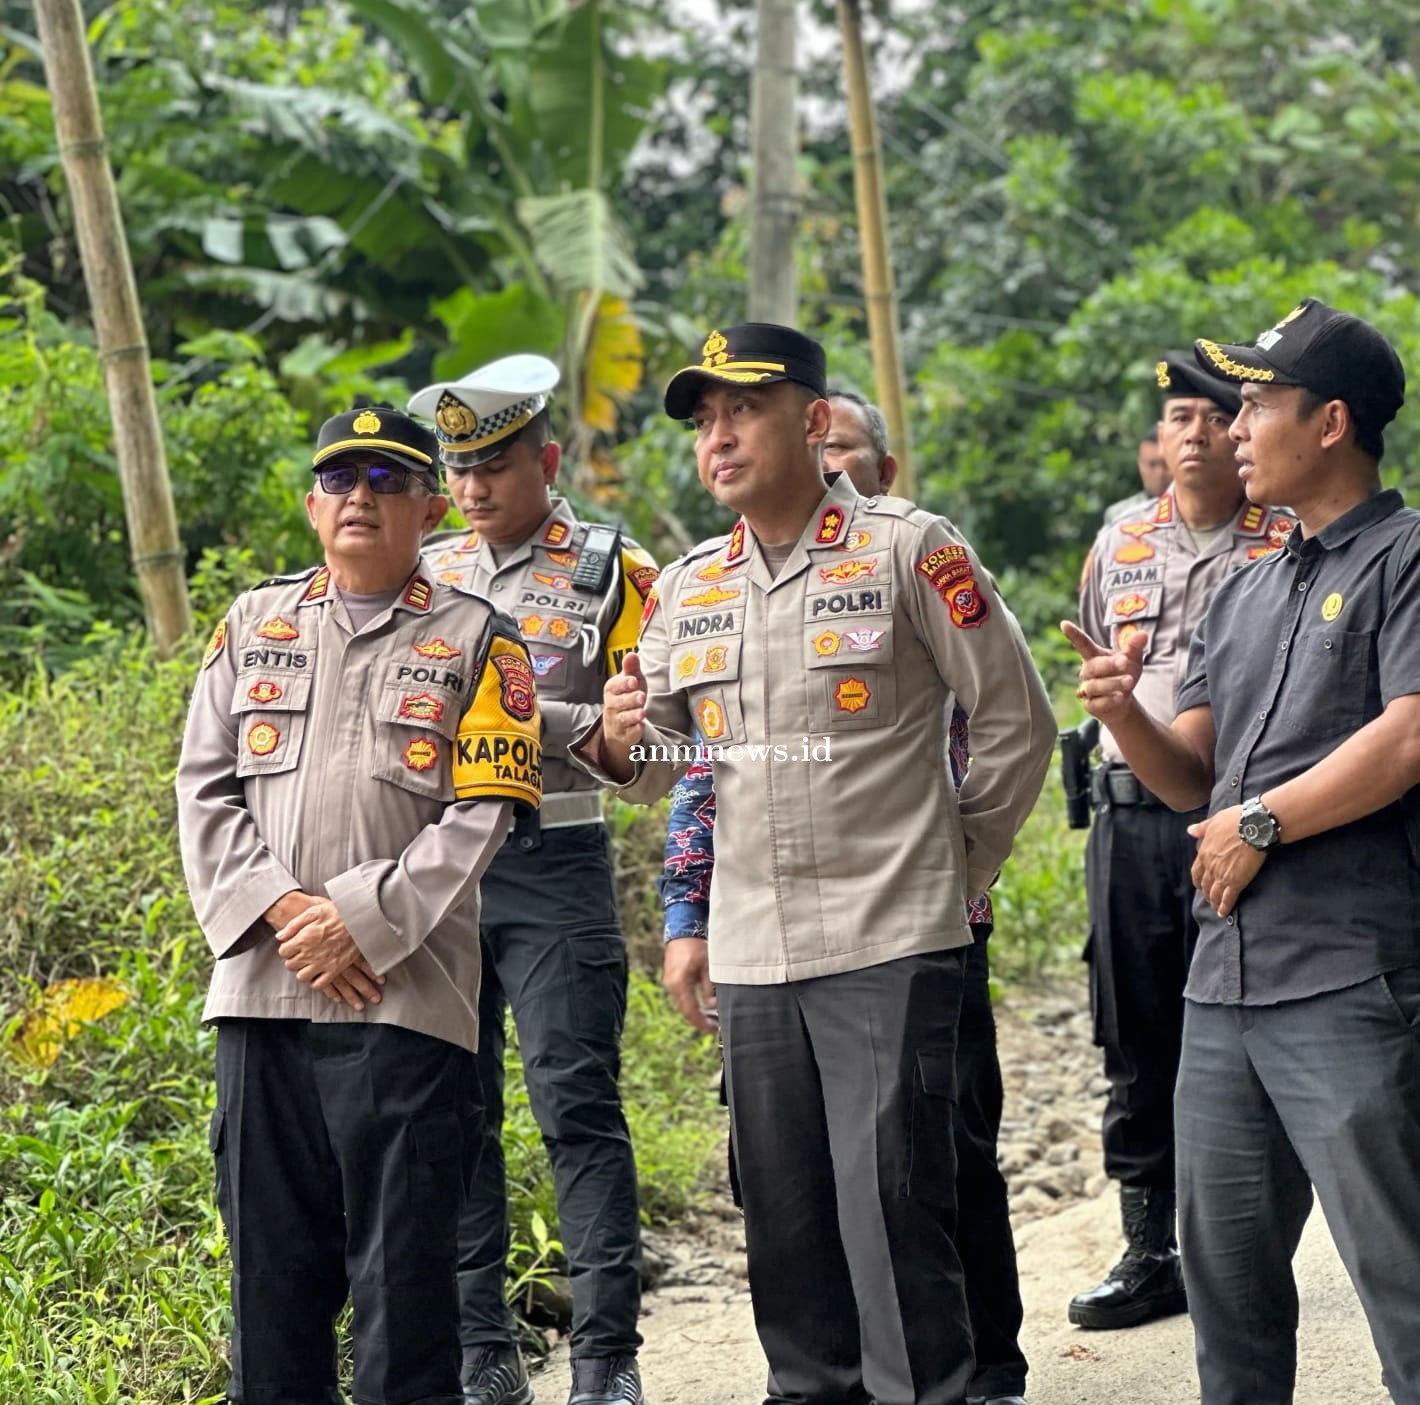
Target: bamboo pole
{"x": 878, "y": 288}
{"x": 774, "y": 143}
{"x": 123, "y": 348}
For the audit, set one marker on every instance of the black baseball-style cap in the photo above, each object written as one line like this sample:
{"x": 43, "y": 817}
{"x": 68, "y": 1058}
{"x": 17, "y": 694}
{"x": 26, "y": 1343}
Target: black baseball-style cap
{"x": 1180, "y": 377}
{"x": 1332, "y": 354}
{"x": 749, "y": 353}
{"x": 383, "y": 431}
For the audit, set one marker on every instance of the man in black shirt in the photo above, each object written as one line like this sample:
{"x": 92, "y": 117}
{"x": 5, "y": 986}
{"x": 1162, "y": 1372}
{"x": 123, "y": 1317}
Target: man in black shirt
{"x": 1298, "y": 722}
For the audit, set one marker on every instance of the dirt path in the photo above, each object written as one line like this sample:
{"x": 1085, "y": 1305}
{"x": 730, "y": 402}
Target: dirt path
{"x": 701, "y": 1347}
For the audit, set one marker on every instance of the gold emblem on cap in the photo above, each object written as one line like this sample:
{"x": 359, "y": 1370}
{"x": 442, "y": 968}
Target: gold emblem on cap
{"x": 454, "y": 417}
{"x": 366, "y": 423}
{"x": 714, "y": 351}
{"x": 1161, "y": 374}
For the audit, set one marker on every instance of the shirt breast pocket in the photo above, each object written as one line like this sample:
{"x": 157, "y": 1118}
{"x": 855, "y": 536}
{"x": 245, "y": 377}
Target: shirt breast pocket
{"x": 1325, "y": 691}
{"x": 709, "y": 674}
{"x": 415, "y": 726}
{"x": 558, "y": 668}
{"x": 270, "y": 707}
{"x": 852, "y": 683}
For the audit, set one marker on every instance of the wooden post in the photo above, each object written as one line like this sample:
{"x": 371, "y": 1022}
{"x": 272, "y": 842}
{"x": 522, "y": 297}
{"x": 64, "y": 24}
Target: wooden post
{"x": 123, "y": 348}
{"x": 873, "y": 239}
{"x": 774, "y": 152}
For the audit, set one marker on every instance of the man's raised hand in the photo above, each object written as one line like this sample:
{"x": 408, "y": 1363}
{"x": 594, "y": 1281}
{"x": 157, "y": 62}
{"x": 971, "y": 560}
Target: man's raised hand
{"x": 624, "y": 705}
{"x": 1108, "y": 677}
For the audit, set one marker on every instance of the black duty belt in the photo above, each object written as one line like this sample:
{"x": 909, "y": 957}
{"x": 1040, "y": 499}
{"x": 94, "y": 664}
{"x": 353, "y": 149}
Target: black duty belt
{"x": 1119, "y": 786}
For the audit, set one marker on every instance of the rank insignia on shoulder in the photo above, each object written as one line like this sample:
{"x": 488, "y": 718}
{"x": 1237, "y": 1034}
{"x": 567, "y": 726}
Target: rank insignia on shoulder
{"x": 737, "y": 542}
{"x": 555, "y": 535}
{"x": 1250, "y": 519}
{"x": 1164, "y": 511}
{"x": 419, "y": 594}
{"x": 436, "y": 648}
{"x": 421, "y": 754}
{"x": 277, "y": 628}
{"x": 830, "y": 526}
{"x": 215, "y": 645}
{"x": 319, "y": 587}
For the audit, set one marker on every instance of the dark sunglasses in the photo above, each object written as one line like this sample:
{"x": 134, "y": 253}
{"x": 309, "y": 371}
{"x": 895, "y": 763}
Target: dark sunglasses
{"x": 385, "y": 479}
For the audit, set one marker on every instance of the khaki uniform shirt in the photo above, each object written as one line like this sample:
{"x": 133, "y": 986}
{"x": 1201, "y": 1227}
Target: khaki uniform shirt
{"x": 375, "y": 769}
{"x": 878, "y": 619}
{"x": 576, "y": 637}
{"x": 1144, "y": 574}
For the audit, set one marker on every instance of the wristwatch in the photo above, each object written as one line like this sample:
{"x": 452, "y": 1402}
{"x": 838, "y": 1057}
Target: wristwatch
{"x": 1258, "y": 826}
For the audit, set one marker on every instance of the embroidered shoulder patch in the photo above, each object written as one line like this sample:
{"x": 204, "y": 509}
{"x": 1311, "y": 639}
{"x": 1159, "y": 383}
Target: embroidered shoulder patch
{"x": 215, "y": 645}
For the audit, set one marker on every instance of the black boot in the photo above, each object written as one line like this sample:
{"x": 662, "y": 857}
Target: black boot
{"x": 605, "y": 1380}
{"x": 494, "y": 1375}
{"x": 1148, "y": 1281}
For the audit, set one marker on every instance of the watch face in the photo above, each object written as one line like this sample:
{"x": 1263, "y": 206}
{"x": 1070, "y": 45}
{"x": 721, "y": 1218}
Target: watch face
{"x": 1251, "y": 833}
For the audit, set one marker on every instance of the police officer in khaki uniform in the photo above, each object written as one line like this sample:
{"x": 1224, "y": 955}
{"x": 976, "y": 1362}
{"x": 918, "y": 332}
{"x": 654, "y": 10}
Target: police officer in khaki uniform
{"x": 1152, "y": 575}
{"x": 838, "y": 909}
{"x": 357, "y": 741}
{"x": 552, "y": 943}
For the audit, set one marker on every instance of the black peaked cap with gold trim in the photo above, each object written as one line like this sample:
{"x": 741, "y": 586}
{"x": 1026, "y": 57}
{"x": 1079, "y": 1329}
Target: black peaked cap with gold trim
{"x": 1179, "y": 376}
{"x": 1331, "y": 353}
{"x": 749, "y": 353}
{"x": 475, "y": 418}
{"x": 381, "y": 431}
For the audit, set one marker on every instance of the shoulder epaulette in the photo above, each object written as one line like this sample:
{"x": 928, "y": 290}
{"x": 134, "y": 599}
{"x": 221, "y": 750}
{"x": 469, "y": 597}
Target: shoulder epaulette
{"x": 291, "y": 579}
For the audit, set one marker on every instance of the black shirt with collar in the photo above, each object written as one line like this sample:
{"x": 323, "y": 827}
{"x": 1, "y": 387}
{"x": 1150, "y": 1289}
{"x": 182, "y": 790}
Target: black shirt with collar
{"x": 1296, "y": 653}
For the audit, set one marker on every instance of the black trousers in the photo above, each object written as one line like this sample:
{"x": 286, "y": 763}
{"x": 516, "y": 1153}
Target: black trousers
{"x": 1273, "y": 1100}
{"x": 1142, "y": 935}
{"x": 983, "y": 1238}
{"x": 343, "y": 1154}
{"x": 841, "y": 1095}
{"x": 553, "y": 952}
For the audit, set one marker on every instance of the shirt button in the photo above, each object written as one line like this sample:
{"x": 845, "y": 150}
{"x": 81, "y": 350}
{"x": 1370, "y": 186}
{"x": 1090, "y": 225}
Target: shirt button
{"x": 1326, "y": 643}
{"x": 1262, "y": 716}
{"x": 497, "y": 585}
{"x": 1234, "y": 782}
{"x": 1284, "y": 646}
{"x": 1301, "y": 585}
{"x": 1232, "y": 922}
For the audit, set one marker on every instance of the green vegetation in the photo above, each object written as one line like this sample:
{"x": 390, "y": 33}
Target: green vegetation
{"x": 332, "y": 204}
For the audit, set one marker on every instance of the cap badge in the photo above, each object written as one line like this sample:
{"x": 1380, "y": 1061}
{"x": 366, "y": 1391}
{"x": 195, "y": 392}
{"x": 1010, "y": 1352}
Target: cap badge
{"x": 366, "y": 423}
{"x": 1161, "y": 374}
{"x": 454, "y": 417}
{"x": 714, "y": 351}
{"x": 1273, "y": 335}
